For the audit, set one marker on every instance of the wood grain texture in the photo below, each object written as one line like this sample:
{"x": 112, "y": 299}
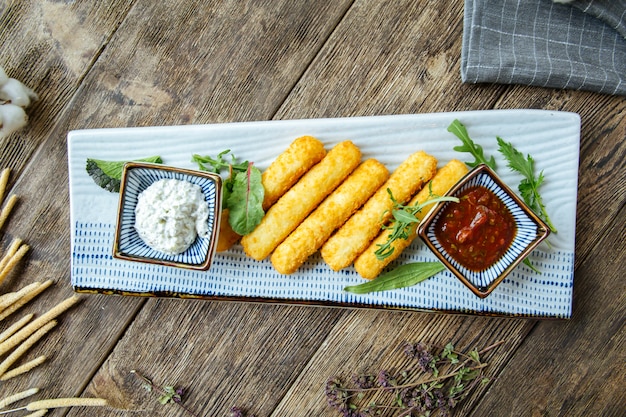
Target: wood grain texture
{"x": 139, "y": 63}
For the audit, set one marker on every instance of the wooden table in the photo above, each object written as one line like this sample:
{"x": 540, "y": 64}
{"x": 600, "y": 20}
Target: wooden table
{"x": 124, "y": 63}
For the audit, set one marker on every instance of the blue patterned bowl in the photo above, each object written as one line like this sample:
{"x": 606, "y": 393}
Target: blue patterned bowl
{"x": 127, "y": 245}
{"x": 530, "y": 230}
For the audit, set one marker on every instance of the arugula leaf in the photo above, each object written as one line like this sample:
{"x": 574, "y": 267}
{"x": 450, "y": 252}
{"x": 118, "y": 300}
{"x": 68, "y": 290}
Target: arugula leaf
{"x": 459, "y": 130}
{"x": 243, "y": 190}
{"x": 403, "y": 276}
{"x": 108, "y": 174}
{"x": 529, "y": 186}
{"x": 206, "y": 163}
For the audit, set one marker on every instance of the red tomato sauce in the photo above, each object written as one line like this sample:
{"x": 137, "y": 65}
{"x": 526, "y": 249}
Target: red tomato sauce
{"x": 477, "y": 230}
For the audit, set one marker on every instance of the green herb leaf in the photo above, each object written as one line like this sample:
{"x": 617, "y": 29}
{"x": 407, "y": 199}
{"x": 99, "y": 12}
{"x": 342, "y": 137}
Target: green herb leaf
{"x": 403, "y": 276}
{"x": 243, "y": 190}
{"x": 169, "y": 395}
{"x": 206, "y": 163}
{"x": 450, "y": 354}
{"x": 404, "y": 221}
{"x": 108, "y": 174}
{"x": 459, "y": 130}
{"x": 245, "y": 201}
{"x": 475, "y": 355}
{"x": 529, "y": 186}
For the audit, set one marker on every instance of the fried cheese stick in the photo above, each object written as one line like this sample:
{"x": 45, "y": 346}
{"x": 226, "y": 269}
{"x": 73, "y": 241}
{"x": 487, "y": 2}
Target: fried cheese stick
{"x": 282, "y": 174}
{"x": 289, "y": 167}
{"x": 341, "y": 249}
{"x": 367, "y": 265}
{"x": 301, "y": 199}
{"x": 329, "y": 216}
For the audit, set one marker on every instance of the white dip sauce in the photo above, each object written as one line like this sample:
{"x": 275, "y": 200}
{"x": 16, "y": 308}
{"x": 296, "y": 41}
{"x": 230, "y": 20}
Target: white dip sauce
{"x": 170, "y": 214}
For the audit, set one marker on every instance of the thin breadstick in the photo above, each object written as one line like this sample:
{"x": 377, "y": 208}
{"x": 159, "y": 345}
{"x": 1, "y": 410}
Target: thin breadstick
{"x": 25, "y": 345}
{"x": 66, "y": 402}
{"x": 301, "y": 199}
{"x": 22, "y": 369}
{"x": 367, "y": 264}
{"x": 6, "y": 210}
{"x": 39, "y": 413}
{"x": 13, "y": 261}
{"x": 356, "y": 234}
{"x": 15, "y": 327}
{"x": 311, "y": 234}
{"x": 25, "y": 299}
{"x": 18, "y": 396}
{"x": 4, "y": 179}
{"x": 289, "y": 166}
{"x": 17, "y": 242}
{"x": 32, "y": 327}
{"x": 11, "y": 297}
{"x": 7, "y": 299}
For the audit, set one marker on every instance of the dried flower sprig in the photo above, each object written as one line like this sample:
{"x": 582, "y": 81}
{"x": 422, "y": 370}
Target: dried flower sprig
{"x": 239, "y": 412}
{"x": 436, "y": 383}
{"x": 167, "y": 394}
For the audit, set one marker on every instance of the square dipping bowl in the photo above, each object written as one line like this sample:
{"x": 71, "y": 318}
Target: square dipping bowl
{"x": 127, "y": 245}
{"x": 530, "y": 231}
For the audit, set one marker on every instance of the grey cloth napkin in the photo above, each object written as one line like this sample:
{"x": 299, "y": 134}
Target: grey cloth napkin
{"x": 577, "y": 45}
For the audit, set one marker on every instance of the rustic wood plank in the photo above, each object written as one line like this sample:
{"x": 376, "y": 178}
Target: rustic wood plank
{"x": 365, "y": 342}
{"x": 195, "y": 62}
{"x": 223, "y": 354}
{"x": 386, "y": 59}
{"x": 50, "y": 46}
{"x": 141, "y": 79}
{"x": 200, "y": 62}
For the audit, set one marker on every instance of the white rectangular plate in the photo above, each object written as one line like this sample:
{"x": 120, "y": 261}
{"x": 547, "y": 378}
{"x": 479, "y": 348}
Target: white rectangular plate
{"x": 552, "y": 138}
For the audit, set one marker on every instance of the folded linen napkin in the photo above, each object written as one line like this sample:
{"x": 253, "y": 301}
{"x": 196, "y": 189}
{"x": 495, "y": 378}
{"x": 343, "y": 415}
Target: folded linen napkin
{"x": 544, "y": 43}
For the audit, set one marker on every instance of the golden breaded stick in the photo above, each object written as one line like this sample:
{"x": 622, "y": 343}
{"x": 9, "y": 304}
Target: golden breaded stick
{"x": 289, "y": 167}
{"x": 355, "y": 235}
{"x": 367, "y": 265}
{"x": 301, "y": 199}
{"x": 227, "y": 237}
{"x": 328, "y": 216}
{"x": 282, "y": 174}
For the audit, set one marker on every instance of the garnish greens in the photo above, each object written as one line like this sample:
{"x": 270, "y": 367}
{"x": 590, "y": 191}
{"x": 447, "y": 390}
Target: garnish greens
{"x": 404, "y": 221}
{"x": 459, "y": 130}
{"x": 433, "y": 383}
{"x": 243, "y": 190}
{"x": 167, "y": 394}
{"x": 529, "y": 186}
{"x": 403, "y": 276}
{"x": 108, "y": 174}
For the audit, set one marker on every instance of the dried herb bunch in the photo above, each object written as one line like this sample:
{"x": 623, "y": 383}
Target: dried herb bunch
{"x": 434, "y": 383}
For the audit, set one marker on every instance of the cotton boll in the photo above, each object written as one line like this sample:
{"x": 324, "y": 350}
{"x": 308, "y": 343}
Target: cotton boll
{"x": 12, "y": 118}
{"x": 17, "y": 93}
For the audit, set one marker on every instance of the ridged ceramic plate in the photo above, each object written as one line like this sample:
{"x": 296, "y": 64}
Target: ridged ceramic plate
{"x": 552, "y": 138}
